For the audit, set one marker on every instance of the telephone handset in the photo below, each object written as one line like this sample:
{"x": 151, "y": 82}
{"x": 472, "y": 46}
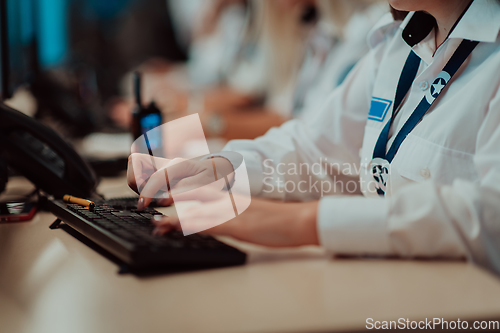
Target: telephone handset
{"x": 42, "y": 156}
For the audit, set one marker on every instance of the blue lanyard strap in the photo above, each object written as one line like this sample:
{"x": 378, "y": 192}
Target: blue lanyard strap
{"x": 405, "y": 81}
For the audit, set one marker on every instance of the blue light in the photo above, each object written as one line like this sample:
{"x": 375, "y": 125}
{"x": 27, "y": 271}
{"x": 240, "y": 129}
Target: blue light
{"x": 27, "y": 25}
{"x": 52, "y": 31}
{"x": 150, "y": 121}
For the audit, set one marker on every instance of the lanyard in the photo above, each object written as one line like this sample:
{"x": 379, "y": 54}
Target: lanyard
{"x": 406, "y": 79}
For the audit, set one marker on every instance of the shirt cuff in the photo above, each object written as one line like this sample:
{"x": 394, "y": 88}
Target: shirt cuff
{"x": 354, "y": 225}
{"x": 253, "y": 166}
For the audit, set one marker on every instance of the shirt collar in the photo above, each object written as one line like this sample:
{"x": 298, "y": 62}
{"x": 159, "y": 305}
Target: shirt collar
{"x": 416, "y": 26}
{"x": 480, "y": 23}
{"x": 381, "y": 28}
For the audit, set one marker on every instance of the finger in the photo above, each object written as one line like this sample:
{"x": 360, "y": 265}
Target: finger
{"x": 223, "y": 229}
{"x": 205, "y": 180}
{"x": 180, "y": 168}
{"x": 183, "y": 191}
{"x": 147, "y": 160}
{"x": 160, "y": 231}
{"x": 155, "y": 183}
{"x": 204, "y": 216}
{"x": 141, "y": 167}
{"x": 166, "y": 201}
{"x": 163, "y": 220}
{"x": 164, "y": 224}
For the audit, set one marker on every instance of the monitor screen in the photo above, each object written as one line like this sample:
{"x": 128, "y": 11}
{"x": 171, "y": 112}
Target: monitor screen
{"x": 18, "y": 44}
{"x": 52, "y": 31}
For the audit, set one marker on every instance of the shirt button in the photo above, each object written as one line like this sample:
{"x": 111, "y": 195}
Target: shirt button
{"x": 425, "y": 173}
{"x": 424, "y": 85}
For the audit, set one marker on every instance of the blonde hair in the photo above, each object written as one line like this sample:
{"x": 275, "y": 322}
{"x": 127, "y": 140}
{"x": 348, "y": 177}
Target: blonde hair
{"x": 283, "y": 38}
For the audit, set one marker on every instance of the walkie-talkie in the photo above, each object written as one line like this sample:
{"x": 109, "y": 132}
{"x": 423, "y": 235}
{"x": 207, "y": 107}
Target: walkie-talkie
{"x": 136, "y": 111}
{"x": 145, "y": 119}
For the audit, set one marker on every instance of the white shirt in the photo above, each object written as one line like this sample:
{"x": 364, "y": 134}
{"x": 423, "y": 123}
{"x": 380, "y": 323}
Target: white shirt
{"x": 211, "y": 57}
{"x": 184, "y": 16}
{"x": 331, "y": 56}
{"x": 444, "y": 190}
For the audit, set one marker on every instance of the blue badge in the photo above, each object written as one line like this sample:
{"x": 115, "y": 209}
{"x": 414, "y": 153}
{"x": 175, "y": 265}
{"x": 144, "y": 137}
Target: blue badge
{"x": 378, "y": 109}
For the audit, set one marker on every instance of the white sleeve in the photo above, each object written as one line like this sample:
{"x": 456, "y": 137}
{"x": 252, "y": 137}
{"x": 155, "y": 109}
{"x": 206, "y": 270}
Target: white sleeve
{"x": 424, "y": 219}
{"x": 329, "y": 144}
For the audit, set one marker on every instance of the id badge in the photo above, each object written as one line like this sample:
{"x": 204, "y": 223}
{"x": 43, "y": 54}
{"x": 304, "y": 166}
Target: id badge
{"x": 374, "y": 177}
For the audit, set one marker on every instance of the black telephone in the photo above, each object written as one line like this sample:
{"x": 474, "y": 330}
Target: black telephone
{"x": 42, "y": 156}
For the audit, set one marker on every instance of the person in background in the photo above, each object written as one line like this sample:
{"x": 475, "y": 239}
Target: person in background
{"x": 321, "y": 40}
{"x": 216, "y": 39}
{"x": 241, "y": 54}
{"x": 326, "y": 44}
{"x": 213, "y": 31}
{"x": 336, "y": 44}
{"x": 268, "y": 66}
{"x": 335, "y": 41}
{"x": 185, "y": 14}
{"x": 409, "y": 141}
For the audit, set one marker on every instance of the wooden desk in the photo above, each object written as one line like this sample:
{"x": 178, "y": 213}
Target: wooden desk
{"x": 51, "y": 282}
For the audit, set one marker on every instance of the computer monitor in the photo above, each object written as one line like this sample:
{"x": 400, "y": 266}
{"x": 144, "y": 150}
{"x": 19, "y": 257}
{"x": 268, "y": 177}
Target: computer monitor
{"x": 4, "y": 54}
{"x": 18, "y": 45}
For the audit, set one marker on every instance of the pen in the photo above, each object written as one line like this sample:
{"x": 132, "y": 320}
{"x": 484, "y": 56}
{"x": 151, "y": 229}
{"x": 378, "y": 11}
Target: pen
{"x": 83, "y": 202}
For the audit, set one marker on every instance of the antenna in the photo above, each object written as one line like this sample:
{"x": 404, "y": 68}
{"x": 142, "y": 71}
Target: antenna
{"x": 137, "y": 89}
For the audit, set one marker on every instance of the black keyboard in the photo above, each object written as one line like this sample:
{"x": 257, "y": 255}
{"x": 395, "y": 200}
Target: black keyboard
{"x": 117, "y": 226}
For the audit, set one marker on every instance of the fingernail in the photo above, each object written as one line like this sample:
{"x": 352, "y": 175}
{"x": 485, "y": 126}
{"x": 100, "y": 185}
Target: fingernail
{"x": 158, "y": 218}
{"x": 140, "y": 204}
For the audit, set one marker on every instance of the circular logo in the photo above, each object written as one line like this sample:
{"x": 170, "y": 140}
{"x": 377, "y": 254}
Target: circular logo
{"x": 437, "y": 86}
{"x": 380, "y": 170}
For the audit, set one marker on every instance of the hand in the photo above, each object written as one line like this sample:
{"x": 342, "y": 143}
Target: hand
{"x": 225, "y": 99}
{"x": 148, "y": 175}
{"x": 264, "y": 222}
